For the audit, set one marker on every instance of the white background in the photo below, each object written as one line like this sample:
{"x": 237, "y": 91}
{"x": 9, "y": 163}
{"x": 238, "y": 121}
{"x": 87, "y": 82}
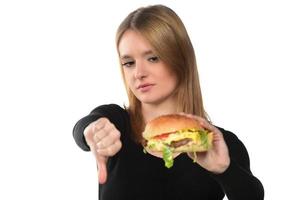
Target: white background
{"x": 58, "y": 61}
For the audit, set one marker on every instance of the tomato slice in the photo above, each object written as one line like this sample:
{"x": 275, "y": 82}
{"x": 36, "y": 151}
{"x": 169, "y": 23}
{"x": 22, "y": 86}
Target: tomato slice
{"x": 163, "y": 136}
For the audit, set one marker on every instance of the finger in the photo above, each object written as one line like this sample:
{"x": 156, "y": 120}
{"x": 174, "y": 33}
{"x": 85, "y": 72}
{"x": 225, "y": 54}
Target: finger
{"x": 218, "y": 136}
{"x": 101, "y": 166}
{"x": 111, "y": 150}
{"x": 109, "y": 139}
{"x": 109, "y": 127}
{"x": 205, "y": 124}
{"x": 198, "y": 118}
{"x": 99, "y": 124}
{"x": 103, "y": 128}
{"x": 99, "y": 135}
{"x": 102, "y": 171}
{"x": 89, "y": 133}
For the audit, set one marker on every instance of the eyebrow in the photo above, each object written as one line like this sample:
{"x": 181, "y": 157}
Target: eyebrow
{"x": 144, "y": 54}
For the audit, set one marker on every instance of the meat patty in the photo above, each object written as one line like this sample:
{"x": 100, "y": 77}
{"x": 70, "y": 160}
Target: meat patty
{"x": 179, "y": 143}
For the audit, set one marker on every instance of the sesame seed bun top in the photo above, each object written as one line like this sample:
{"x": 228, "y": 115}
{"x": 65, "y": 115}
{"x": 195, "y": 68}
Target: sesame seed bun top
{"x": 169, "y": 123}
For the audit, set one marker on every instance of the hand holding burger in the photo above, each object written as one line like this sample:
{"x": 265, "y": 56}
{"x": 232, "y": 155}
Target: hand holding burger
{"x": 178, "y": 133}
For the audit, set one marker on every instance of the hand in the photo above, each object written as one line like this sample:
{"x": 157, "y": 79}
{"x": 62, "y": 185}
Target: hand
{"x": 104, "y": 141}
{"x": 217, "y": 158}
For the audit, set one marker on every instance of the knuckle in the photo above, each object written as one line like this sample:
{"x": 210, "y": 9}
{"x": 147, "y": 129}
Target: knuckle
{"x": 106, "y": 128}
{"x": 117, "y": 134}
{"x": 113, "y": 149}
{"x": 102, "y": 143}
{"x": 95, "y": 137}
{"x": 104, "y": 120}
{"x": 97, "y": 126}
{"x": 119, "y": 144}
{"x": 99, "y": 145}
{"x": 101, "y": 151}
{"x": 110, "y": 127}
{"x": 102, "y": 133}
{"x": 110, "y": 151}
{"x": 88, "y": 131}
{"x": 100, "y": 123}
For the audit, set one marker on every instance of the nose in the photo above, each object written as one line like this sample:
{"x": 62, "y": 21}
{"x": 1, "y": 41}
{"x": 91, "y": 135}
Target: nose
{"x": 140, "y": 71}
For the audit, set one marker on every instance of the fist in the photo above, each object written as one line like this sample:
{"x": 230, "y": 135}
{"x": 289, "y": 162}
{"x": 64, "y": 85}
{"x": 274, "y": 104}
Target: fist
{"x": 103, "y": 137}
{"x": 104, "y": 140}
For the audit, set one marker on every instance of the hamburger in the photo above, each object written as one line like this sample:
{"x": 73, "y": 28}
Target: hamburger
{"x": 175, "y": 133}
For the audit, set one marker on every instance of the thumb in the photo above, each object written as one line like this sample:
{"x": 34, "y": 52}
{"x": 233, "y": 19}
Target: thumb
{"x": 102, "y": 171}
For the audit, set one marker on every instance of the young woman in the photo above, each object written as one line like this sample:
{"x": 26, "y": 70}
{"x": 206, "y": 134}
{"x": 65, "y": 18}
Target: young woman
{"x": 160, "y": 74}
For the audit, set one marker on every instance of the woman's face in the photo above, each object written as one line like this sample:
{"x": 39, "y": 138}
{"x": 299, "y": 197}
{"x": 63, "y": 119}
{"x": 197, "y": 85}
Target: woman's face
{"x": 146, "y": 75}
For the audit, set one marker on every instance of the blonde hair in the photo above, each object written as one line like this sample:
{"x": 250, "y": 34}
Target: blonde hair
{"x": 166, "y": 33}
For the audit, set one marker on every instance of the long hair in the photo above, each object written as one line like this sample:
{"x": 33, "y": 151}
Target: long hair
{"x": 166, "y": 33}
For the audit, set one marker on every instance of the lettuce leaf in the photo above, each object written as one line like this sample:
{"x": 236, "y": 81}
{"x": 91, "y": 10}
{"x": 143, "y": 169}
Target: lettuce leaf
{"x": 168, "y": 156}
{"x": 204, "y": 138}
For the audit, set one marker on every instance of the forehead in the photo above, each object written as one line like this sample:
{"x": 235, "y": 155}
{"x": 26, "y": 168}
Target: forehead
{"x": 133, "y": 43}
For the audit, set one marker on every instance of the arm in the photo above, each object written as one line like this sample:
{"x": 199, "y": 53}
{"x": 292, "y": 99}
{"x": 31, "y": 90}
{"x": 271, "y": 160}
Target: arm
{"x": 99, "y": 132}
{"x": 113, "y": 112}
{"x": 237, "y": 181}
{"x": 78, "y": 130}
{"x": 228, "y": 162}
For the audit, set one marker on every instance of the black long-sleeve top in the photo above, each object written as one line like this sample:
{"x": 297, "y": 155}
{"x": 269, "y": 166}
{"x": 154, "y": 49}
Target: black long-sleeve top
{"x": 132, "y": 174}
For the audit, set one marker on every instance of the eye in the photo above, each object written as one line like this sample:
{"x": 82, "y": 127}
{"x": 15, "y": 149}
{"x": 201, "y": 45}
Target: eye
{"x": 153, "y": 59}
{"x": 128, "y": 64}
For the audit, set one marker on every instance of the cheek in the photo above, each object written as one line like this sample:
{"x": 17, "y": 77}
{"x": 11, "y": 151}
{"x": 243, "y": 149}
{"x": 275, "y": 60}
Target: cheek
{"x": 128, "y": 78}
{"x": 173, "y": 83}
{"x": 170, "y": 80}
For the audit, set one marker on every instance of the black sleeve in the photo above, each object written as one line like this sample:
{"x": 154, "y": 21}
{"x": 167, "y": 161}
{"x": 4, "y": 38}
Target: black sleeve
{"x": 237, "y": 181}
{"x": 113, "y": 112}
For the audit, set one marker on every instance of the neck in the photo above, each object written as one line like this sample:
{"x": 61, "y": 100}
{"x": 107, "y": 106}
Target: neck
{"x": 151, "y": 111}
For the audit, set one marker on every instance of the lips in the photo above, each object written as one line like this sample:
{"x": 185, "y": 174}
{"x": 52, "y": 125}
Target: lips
{"x": 145, "y": 87}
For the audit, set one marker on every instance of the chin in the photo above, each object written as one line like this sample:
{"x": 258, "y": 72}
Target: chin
{"x": 152, "y": 98}
{"x": 149, "y": 101}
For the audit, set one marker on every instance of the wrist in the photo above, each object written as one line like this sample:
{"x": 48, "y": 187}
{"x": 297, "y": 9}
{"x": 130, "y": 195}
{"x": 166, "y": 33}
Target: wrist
{"x": 221, "y": 168}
